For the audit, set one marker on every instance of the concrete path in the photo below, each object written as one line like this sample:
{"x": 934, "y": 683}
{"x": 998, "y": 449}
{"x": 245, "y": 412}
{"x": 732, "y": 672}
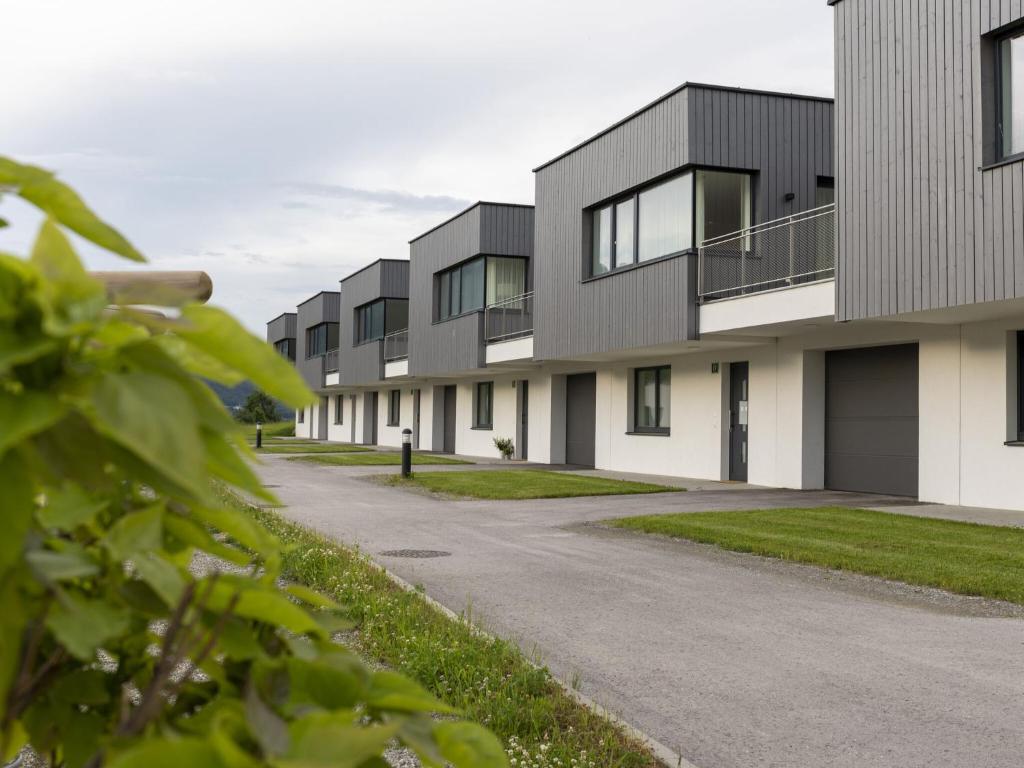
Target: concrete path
{"x": 729, "y": 659}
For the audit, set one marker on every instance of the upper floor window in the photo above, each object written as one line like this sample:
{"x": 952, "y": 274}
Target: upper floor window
{"x": 375, "y": 320}
{"x": 478, "y": 283}
{"x": 286, "y": 348}
{"x": 668, "y": 218}
{"x": 320, "y": 339}
{"x": 1010, "y": 52}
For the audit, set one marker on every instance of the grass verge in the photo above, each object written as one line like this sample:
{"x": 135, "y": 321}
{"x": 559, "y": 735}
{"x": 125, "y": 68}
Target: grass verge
{"x": 273, "y": 429}
{"x": 287, "y": 447}
{"x": 524, "y": 484}
{"x": 487, "y": 678}
{"x": 967, "y": 558}
{"x": 375, "y": 459}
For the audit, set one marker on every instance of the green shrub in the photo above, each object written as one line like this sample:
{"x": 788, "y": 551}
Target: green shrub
{"x": 113, "y": 459}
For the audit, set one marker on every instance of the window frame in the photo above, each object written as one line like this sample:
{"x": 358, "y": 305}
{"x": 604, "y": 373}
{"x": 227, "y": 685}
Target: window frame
{"x": 363, "y": 317}
{"x": 658, "y": 429}
{"x": 612, "y": 205}
{"x": 394, "y": 407}
{"x": 339, "y": 409}
{"x": 998, "y": 41}
{"x": 288, "y": 350}
{"x": 477, "y": 422}
{"x": 444, "y": 276}
{"x": 311, "y": 333}
{"x": 302, "y": 416}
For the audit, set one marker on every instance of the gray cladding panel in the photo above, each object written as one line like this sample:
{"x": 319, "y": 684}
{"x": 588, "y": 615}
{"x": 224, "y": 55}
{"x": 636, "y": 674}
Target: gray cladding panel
{"x": 322, "y": 308}
{"x": 920, "y": 226}
{"x": 785, "y": 141}
{"x": 458, "y": 344}
{"x": 363, "y": 365}
{"x": 281, "y": 328}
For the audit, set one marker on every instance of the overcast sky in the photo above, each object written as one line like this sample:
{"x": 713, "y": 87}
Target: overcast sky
{"x": 281, "y": 145}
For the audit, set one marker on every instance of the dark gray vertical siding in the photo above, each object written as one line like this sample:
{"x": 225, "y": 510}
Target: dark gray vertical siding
{"x": 458, "y": 344}
{"x": 363, "y": 365}
{"x": 786, "y": 141}
{"x": 281, "y": 328}
{"x": 920, "y": 225}
{"x": 322, "y": 308}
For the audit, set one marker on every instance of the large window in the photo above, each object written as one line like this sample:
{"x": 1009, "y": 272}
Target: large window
{"x": 321, "y": 339}
{"x": 394, "y": 407}
{"x": 379, "y": 318}
{"x": 659, "y": 220}
{"x": 652, "y": 400}
{"x": 477, "y": 283}
{"x": 286, "y": 348}
{"x": 483, "y": 405}
{"x": 1010, "y": 52}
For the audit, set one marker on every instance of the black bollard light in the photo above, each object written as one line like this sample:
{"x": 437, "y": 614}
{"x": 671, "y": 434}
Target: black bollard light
{"x": 406, "y": 452}
{"x": 259, "y": 435}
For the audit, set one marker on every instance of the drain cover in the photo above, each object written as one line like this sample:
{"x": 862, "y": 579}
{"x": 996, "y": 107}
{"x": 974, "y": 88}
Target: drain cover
{"x": 415, "y": 553}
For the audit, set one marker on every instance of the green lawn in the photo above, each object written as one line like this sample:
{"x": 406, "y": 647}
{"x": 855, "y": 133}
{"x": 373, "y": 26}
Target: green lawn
{"x": 375, "y": 458}
{"x": 971, "y": 559}
{"x": 286, "y": 446}
{"x": 488, "y": 679}
{"x": 524, "y": 484}
{"x": 273, "y": 429}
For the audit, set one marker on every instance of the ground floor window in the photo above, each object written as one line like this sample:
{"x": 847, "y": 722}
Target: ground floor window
{"x": 652, "y": 399}
{"x": 483, "y": 405}
{"x": 302, "y": 415}
{"x": 339, "y": 409}
{"x": 1020, "y": 385}
{"x": 394, "y": 407}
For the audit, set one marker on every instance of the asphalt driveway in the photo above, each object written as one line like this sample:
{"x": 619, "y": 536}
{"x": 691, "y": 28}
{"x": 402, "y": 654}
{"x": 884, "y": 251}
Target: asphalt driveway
{"x": 730, "y": 660}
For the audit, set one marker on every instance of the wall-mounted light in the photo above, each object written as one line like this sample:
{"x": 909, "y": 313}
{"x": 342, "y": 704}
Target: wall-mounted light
{"x": 714, "y": 367}
{"x": 789, "y": 197}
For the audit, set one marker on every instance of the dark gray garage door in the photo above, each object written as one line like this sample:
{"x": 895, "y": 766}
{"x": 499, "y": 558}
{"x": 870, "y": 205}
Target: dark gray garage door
{"x": 580, "y": 408}
{"x": 871, "y": 420}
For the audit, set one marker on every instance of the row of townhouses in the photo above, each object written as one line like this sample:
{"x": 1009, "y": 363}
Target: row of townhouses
{"x": 729, "y": 284}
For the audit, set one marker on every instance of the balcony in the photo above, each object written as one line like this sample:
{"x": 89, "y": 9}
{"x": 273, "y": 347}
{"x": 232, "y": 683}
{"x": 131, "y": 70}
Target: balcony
{"x": 509, "y": 319}
{"x": 396, "y": 346}
{"x": 331, "y": 362}
{"x": 796, "y": 250}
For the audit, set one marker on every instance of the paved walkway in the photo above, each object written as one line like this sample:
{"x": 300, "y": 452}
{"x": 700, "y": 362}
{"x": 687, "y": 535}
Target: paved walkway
{"x": 729, "y": 659}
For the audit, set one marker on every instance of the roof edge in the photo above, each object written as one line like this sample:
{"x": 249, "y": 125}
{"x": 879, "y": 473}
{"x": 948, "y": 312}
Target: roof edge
{"x": 373, "y": 263}
{"x": 275, "y": 319}
{"x": 670, "y": 94}
{"x": 463, "y": 212}
{"x": 315, "y": 295}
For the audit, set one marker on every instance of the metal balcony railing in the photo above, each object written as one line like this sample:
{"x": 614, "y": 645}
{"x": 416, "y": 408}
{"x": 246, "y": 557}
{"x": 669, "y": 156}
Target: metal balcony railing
{"x": 795, "y": 250}
{"x": 396, "y": 346}
{"x": 509, "y": 319}
{"x": 331, "y": 362}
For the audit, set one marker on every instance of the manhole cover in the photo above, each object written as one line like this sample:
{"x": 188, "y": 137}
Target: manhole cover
{"x": 415, "y": 553}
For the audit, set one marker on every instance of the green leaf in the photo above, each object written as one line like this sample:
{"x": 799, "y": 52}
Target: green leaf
{"x": 83, "y": 625}
{"x": 68, "y": 508}
{"x": 40, "y": 188}
{"x": 194, "y": 535}
{"x": 311, "y": 597}
{"x": 224, "y": 461}
{"x": 240, "y": 527}
{"x": 15, "y": 612}
{"x": 69, "y": 285}
{"x": 25, "y": 415}
{"x": 81, "y": 735}
{"x": 265, "y": 725}
{"x": 333, "y": 740}
{"x": 71, "y": 563}
{"x": 334, "y": 681}
{"x": 81, "y": 687}
{"x": 135, "y": 533}
{"x": 468, "y": 745}
{"x": 167, "y": 753}
{"x": 151, "y": 417}
{"x": 163, "y": 577}
{"x": 18, "y": 504}
{"x": 266, "y": 604}
{"x": 417, "y": 733}
{"x": 219, "y": 335}
{"x": 390, "y": 691}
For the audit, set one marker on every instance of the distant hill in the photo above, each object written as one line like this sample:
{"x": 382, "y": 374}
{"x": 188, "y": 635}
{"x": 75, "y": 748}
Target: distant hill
{"x": 232, "y": 397}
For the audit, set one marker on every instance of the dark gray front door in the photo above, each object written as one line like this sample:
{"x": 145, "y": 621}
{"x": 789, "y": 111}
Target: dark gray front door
{"x": 449, "y": 419}
{"x": 739, "y": 411}
{"x": 322, "y": 419}
{"x": 580, "y": 409}
{"x": 871, "y": 420}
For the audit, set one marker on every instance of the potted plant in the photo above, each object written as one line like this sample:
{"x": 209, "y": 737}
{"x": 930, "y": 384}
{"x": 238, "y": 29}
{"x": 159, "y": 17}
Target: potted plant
{"x": 505, "y": 447}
